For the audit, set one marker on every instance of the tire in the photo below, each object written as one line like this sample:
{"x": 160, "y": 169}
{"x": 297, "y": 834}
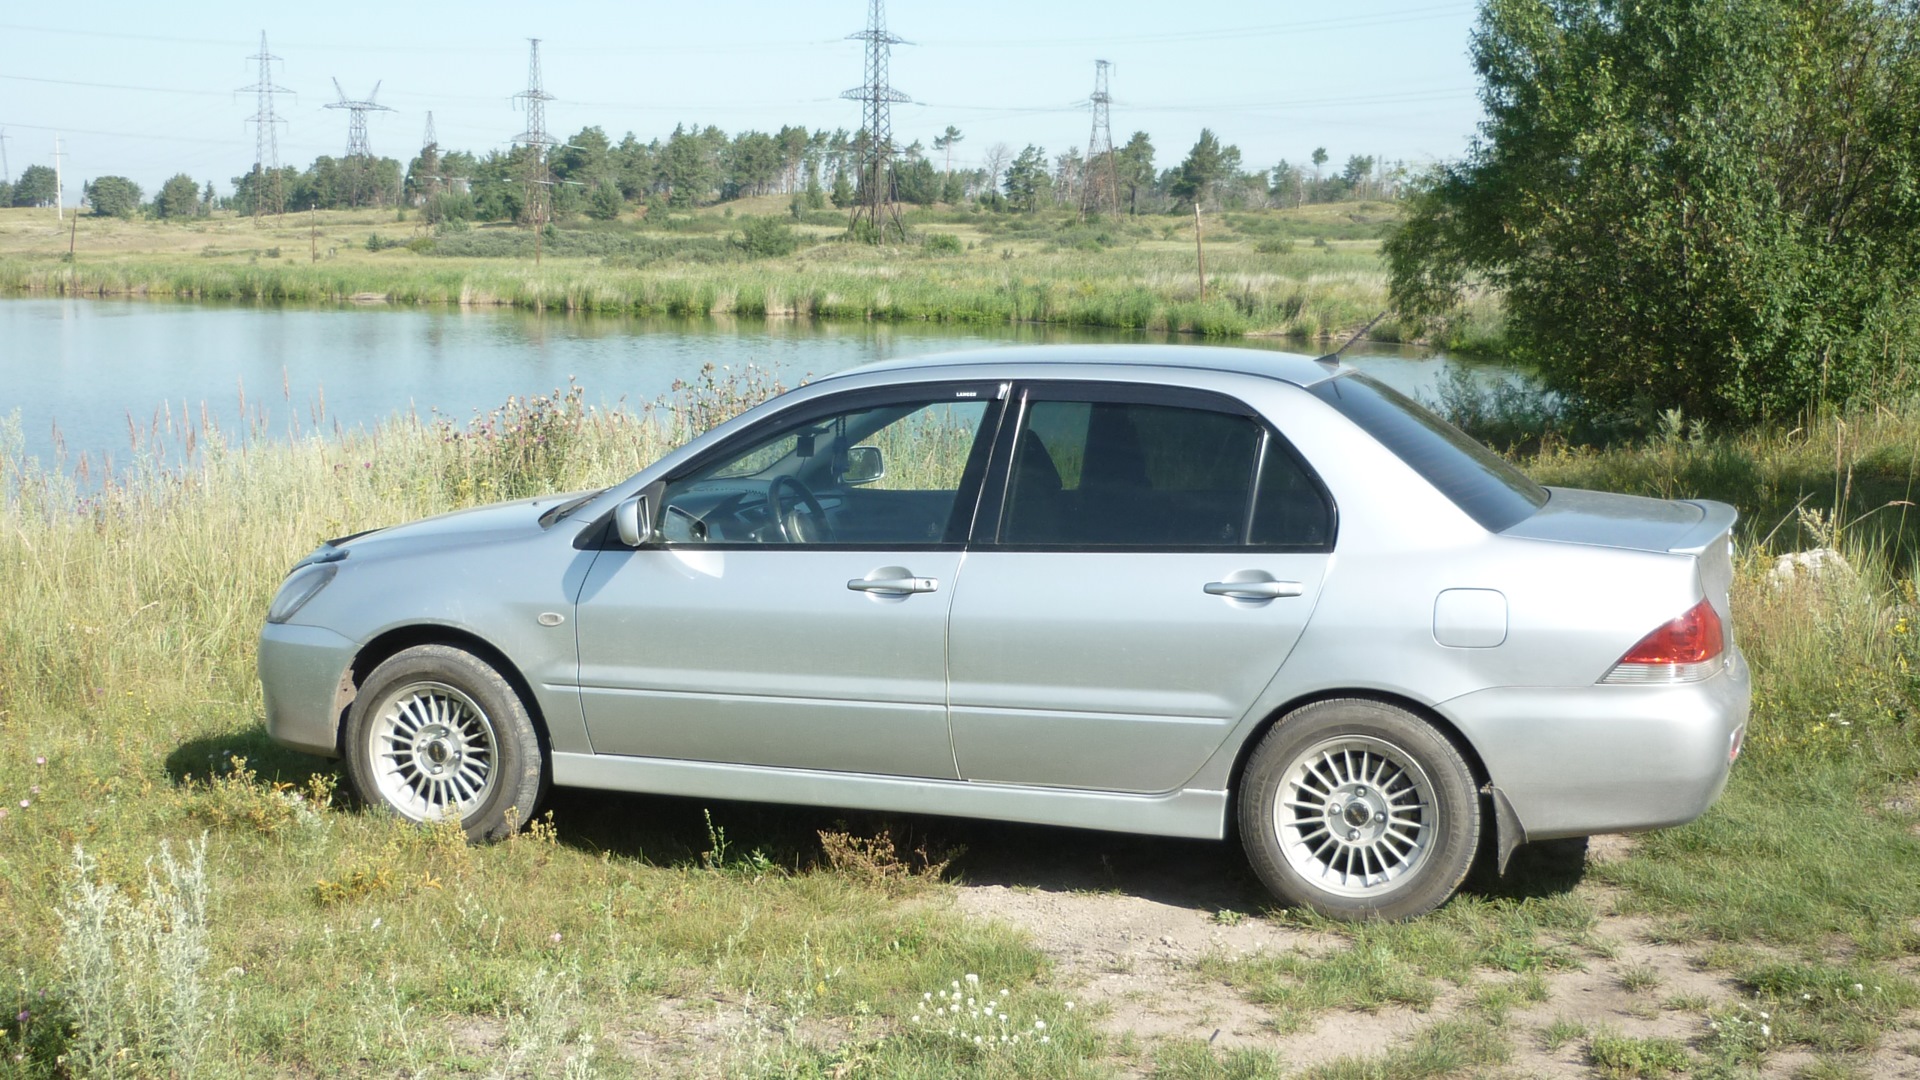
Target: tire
{"x": 436, "y": 731}
{"x": 1359, "y": 810}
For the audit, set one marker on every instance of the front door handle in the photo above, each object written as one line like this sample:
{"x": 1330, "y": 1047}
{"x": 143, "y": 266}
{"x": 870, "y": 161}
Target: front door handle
{"x": 894, "y": 586}
{"x": 1254, "y": 590}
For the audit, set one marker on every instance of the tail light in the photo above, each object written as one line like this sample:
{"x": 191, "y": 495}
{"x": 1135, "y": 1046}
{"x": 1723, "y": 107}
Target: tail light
{"x": 1688, "y": 649}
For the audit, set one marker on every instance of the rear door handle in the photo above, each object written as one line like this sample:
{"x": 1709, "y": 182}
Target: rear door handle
{"x": 894, "y": 586}
{"x": 1254, "y": 590}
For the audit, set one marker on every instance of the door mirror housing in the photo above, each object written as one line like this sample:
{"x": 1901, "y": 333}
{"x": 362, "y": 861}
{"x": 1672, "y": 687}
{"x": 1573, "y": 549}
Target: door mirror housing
{"x": 864, "y": 465}
{"x": 634, "y": 521}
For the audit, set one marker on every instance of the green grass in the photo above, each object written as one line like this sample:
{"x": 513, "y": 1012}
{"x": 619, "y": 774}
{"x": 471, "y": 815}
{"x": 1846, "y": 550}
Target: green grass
{"x": 340, "y": 940}
{"x": 1136, "y": 274}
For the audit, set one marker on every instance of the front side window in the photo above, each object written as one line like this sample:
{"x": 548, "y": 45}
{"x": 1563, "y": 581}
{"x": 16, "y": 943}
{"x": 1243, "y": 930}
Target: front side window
{"x": 1129, "y": 474}
{"x": 879, "y": 475}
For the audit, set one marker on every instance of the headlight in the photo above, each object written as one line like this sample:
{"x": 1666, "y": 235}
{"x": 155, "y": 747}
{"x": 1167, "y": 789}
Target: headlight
{"x": 301, "y": 586}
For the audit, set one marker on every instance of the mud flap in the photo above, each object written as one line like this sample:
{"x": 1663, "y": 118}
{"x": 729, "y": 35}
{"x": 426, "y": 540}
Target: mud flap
{"x": 1508, "y": 835}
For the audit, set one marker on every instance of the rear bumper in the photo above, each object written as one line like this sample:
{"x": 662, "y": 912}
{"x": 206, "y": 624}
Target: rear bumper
{"x": 301, "y": 668}
{"x": 1574, "y": 761}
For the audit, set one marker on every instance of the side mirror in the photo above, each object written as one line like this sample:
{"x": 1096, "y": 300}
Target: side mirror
{"x": 634, "y": 521}
{"x": 864, "y": 465}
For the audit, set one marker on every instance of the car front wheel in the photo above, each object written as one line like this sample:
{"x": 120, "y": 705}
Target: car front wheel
{"x": 1359, "y": 810}
{"x": 436, "y": 733}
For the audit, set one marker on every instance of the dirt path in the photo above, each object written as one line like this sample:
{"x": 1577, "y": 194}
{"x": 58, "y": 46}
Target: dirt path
{"x": 1136, "y": 948}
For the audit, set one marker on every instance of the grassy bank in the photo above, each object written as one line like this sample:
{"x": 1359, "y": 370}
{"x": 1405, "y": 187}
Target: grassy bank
{"x": 1126, "y": 275}
{"x": 634, "y": 936}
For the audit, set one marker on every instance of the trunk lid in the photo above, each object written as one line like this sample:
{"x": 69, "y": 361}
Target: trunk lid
{"x": 1697, "y": 527}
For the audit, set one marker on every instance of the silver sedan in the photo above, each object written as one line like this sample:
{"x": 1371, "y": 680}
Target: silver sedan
{"x": 1168, "y": 590}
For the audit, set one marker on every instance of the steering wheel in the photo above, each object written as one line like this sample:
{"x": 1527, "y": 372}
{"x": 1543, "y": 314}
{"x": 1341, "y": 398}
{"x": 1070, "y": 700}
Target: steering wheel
{"x": 794, "y": 529}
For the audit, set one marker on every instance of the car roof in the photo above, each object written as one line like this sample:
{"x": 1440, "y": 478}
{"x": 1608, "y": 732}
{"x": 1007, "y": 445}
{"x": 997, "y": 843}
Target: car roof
{"x": 1017, "y": 361}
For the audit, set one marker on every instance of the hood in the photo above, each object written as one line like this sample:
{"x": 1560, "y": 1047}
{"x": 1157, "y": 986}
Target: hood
{"x": 461, "y": 528}
{"x": 1626, "y": 521}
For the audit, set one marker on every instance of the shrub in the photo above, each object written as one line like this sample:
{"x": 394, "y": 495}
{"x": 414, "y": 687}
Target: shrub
{"x": 766, "y": 237}
{"x": 134, "y": 969}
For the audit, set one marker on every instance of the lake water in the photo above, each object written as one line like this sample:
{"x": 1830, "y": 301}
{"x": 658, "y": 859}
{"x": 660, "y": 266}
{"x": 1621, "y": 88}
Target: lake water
{"x": 90, "y": 376}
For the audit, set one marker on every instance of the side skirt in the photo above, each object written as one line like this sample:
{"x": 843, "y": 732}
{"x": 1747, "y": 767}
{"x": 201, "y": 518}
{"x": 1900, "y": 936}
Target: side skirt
{"x": 1199, "y": 814}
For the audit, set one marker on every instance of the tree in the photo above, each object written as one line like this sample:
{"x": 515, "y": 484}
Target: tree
{"x": 842, "y": 194}
{"x": 1358, "y": 175}
{"x": 1027, "y": 182}
{"x": 1134, "y": 168}
{"x": 37, "y": 186}
{"x": 113, "y": 196}
{"x": 605, "y": 203}
{"x": 944, "y": 143}
{"x": 1706, "y": 206}
{"x": 1285, "y": 187}
{"x": 1206, "y": 165}
{"x": 1319, "y": 159}
{"x": 179, "y": 197}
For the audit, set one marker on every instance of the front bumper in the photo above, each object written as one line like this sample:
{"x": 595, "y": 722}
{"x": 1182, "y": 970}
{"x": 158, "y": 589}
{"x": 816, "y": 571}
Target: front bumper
{"x": 301, "y": 672}
{"x": 1574, "y": 761}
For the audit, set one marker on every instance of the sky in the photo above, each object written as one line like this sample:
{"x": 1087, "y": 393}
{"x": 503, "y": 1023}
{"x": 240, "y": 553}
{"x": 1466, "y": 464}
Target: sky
{"x": 134, "y": 95}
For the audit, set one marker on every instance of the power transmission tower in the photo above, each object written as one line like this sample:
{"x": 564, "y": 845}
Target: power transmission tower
{"x": 539, "y": 180}
{"x": 6, "y": 174}
{"x": 428, "y": 185}
{"x": 874, "y": 201}
{"x": 266, "y": 136}
{"x": 359, "y": 153}
{"x": 1100, "y": 188}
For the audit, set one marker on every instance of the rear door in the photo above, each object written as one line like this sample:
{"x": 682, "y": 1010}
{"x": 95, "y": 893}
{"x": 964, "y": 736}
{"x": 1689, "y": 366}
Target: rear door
{"x": 1145, "y": 560}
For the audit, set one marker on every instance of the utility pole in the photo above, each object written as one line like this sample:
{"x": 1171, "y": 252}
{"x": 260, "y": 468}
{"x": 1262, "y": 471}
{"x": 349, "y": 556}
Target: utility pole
{"x": 59, "y": 185}
{"x": 359, "y": 152}
{"x": 874, "y": 200}
{"x": 1199, "y": 251}
{"x": 539, "y": 181}
{"x": 6, "y": 175}
{"x": 313, "y": 232}
{"x": 1100, "y": 191}
{"x": 266, "y": 136}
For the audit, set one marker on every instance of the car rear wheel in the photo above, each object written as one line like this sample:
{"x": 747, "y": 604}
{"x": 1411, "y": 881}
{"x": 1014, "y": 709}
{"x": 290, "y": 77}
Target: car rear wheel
{"x": 437, "y": 733}
{"x": 1359, "y": 810}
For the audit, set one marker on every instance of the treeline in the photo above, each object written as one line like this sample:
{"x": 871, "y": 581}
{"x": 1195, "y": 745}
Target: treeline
{"x": 114, "y": 196}
{"x": 698, "y": 166}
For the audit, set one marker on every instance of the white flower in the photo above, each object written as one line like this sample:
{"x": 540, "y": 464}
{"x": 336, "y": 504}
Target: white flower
{"x": 1858, "y": 989}
{"x": 927, "y": 996}
{"x": 1045, "y": 1038}
{"x": 972, "y": 979}
{"x": 1039, "y": 1025}
{"x": 1069, "y": 1006}
{"x": 976, "y": 1040}
{"x": 1765, "y": 1031}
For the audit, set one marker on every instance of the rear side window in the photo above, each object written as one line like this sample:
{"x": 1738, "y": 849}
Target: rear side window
{"x": 1090, "y": 474}
{"x": 1479, "y": 481}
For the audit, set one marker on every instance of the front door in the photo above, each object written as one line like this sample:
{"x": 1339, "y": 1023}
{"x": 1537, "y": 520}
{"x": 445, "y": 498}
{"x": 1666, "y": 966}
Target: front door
{"x": 1155, "y": 558}
{"x": 794, "y": 611}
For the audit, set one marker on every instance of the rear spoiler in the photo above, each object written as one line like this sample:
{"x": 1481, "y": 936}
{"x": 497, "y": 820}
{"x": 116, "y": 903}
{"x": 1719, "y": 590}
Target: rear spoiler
{"x": 1716, "y": 518}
